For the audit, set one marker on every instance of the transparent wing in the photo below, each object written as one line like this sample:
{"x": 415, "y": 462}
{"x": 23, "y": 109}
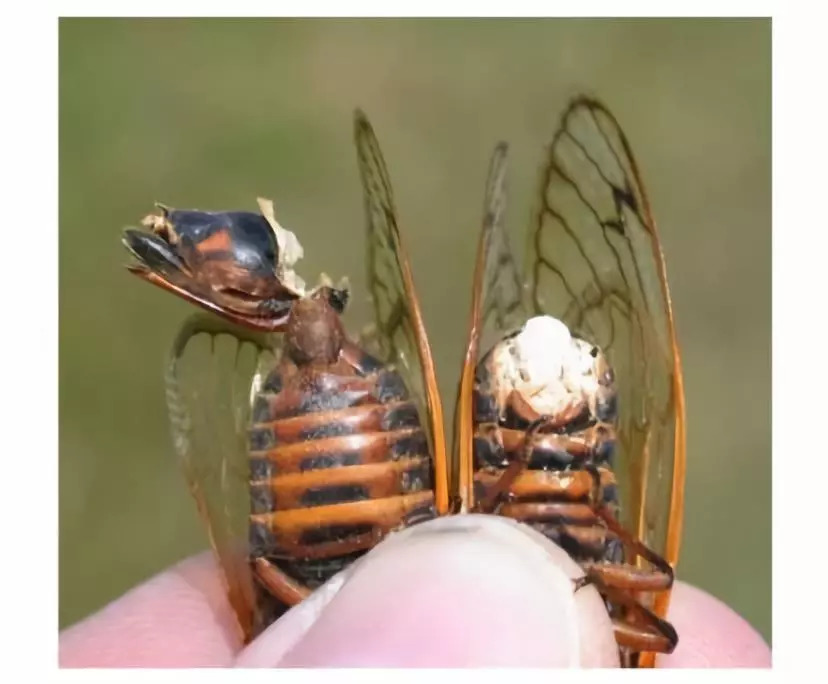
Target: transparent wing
{"x": 400, "y": 332}
{"x": 497, "y": 276}
{"x": 595, "y": 261}
{"x": 212, "y": 371}
{"x": 498, "y": 307}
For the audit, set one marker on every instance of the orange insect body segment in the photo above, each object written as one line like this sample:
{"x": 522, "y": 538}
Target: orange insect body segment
{"x": 330, "y": 502}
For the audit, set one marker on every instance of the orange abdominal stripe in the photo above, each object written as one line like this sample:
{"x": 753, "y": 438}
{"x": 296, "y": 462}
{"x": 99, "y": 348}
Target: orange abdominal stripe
{"x": 383, "y": 513}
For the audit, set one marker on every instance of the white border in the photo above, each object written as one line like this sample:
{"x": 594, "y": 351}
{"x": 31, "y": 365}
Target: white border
{"x": 29, "y": 340}
{"x": 799, "y": 251}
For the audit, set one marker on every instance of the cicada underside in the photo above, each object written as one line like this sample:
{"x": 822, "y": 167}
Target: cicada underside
{"x": 570, "y": 413}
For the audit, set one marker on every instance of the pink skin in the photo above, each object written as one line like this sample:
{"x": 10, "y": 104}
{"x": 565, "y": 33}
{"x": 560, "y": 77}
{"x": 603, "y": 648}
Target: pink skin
{"x": 468, "y": 591}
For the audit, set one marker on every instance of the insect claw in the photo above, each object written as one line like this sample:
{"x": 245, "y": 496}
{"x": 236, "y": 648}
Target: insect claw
{"x": 581, "y": 582}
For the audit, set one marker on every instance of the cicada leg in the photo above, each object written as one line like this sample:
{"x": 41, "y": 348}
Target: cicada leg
{"x": 626, "y": 575}
{"x": 496, "y": 492}
{"x": 640, "y": 629}
{"x": 280, "y": 586}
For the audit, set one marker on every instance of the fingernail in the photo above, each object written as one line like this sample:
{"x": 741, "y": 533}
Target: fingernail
{"x": 460, "y": 591}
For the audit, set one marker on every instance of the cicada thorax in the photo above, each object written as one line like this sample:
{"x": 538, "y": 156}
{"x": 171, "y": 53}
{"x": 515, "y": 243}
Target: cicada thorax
{"x": 338, "y": 455}
{"x": 565, "y": 436}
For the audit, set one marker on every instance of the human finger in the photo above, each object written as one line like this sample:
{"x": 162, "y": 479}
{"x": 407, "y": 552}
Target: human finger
{"x": 178, "y": 618}
{"x": 711, "y": 634}
{"x": 462, "y": 591}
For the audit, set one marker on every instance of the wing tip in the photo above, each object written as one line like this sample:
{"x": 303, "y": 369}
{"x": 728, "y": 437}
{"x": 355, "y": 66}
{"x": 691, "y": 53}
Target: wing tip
{"x": 501, "y": 151}
{"x": 361, "y": 122}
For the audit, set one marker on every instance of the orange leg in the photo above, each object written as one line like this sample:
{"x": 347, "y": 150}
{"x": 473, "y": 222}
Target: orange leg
{"x": 281, "y": 587}
{"x": 496, "y": 493}
{"x": 628, "y": 576}
{"x": 638, "y": 629}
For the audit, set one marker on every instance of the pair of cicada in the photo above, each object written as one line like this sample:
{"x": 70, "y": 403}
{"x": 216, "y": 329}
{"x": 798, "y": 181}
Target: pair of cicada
{"x": 305, "y": 445}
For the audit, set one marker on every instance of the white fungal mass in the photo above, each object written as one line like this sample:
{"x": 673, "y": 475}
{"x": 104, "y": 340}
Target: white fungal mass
{"x": 550, "y": 368}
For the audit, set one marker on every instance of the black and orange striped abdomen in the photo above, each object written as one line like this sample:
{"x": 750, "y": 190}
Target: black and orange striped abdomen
{"x": 338, "y": 459}
{"x": 565, "y": 469}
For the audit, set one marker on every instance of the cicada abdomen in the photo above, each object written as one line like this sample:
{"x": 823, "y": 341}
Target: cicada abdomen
{"x": 338, "y": 455}
{"x": 547, "y": 400}
{"x": 545, "y": 432}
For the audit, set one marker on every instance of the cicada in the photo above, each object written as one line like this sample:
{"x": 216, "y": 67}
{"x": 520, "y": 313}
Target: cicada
{"x": 303, "y": 443}
{"x": 570, "y": 411}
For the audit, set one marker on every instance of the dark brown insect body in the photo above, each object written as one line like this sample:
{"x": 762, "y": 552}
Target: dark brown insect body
{"x": 338, "y": 456}
{"x": 568, "y": 457}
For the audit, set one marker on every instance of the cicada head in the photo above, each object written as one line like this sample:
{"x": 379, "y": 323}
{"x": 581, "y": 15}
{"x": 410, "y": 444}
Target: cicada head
{"x": 237, "y": 264}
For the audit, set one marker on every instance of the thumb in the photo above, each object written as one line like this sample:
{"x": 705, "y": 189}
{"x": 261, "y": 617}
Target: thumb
{"x": 459, "y": 591}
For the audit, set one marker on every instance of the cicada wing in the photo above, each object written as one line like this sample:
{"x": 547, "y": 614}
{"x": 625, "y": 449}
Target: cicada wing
{"x": 213, "y": 370}
{"x": 498, "y": 307}
{"x": 399, "y": 328}
{"x": 596, "y": 263}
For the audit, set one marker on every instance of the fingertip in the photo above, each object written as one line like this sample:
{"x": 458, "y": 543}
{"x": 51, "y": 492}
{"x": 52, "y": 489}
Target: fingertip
{"x": 178, "y": 618}
{"x": 711, "y": 634}
{"x": 463, "y": 591}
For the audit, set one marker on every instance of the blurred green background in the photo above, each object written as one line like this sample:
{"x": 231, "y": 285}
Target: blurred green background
{"x": 212, "y": 113}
